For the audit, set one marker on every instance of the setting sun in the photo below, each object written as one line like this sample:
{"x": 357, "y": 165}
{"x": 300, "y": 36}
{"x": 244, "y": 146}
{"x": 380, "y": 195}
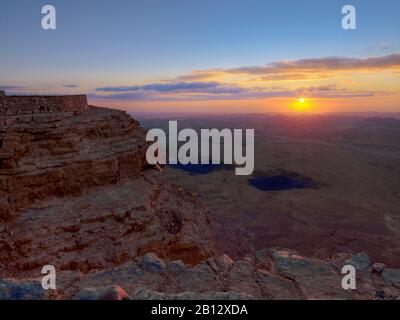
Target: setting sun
{"x": 301, "y": 105}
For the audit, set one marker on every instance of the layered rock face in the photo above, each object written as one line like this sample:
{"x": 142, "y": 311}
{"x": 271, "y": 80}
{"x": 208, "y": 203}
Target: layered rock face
{"x": 76, "y": 193}
{"x": 59, "y": 154}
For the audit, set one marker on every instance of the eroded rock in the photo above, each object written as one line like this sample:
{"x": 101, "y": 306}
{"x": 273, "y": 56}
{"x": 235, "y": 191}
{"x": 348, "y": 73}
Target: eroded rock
{"x": 80, "y": 196}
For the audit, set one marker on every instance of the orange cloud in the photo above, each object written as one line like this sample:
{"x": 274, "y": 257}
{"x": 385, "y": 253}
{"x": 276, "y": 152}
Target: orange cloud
{"x": 323, "y": 64}
{"x": 303, "y": 69}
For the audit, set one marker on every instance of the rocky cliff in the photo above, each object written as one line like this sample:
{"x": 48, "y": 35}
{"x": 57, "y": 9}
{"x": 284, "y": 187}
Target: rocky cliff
{"x": 76, "y": 193}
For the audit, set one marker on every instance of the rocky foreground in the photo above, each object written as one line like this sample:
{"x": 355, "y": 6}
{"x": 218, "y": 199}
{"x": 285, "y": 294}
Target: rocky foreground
{"x": 271, "y": 274}
{"x": 76, "y": 193}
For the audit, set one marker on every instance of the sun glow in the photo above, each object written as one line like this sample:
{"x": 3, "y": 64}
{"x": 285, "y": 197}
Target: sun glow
{"x": 301, "y": 105}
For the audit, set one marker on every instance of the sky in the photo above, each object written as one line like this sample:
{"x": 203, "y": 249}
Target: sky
{"x": 206, "y": 56}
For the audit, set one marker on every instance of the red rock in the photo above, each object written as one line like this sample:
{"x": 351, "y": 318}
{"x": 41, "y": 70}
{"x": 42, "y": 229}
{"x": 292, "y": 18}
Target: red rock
{"x": 76, "y": 193}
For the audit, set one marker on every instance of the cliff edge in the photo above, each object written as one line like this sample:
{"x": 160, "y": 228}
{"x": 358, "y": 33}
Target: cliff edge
{"x": 76, "y": 193}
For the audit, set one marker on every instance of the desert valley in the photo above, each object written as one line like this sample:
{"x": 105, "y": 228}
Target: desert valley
{"x": 350, "y": 168}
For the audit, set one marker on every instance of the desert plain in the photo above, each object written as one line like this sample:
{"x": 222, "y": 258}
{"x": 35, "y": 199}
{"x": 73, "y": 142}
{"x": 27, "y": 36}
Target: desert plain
{"x": 353, "y": 206}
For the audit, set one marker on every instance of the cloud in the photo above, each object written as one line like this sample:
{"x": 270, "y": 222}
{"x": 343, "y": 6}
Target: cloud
{"x": 303, "y": 69}
{"x": 327, "y": 91}
{"x": 331, "y": 91}
{"x": 321, "y": 64}
{"x": 285, "y": 77}
{"x": 117, "y": 89}
{"x": 199, "y": 75}
{"x": 70, "y": 86}
{"x": 250, "y": 82}
{"x": 177, "y": 87}
{"x": 120, "y": 96}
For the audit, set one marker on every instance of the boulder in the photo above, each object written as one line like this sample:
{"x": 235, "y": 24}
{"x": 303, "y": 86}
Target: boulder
{"x": 224, "y": 262}
{"x": 150, "y": 262}
{"x": 359, "y": 261}
{"x": 316, "y": 278}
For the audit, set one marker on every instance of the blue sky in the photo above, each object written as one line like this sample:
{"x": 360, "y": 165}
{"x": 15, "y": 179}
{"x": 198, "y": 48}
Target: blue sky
{"x": 127, "y": 43}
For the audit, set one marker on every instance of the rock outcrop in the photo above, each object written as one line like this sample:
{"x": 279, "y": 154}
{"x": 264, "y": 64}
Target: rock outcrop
{"x": 76, "y": 193}
{"x": 270, "y": 274}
